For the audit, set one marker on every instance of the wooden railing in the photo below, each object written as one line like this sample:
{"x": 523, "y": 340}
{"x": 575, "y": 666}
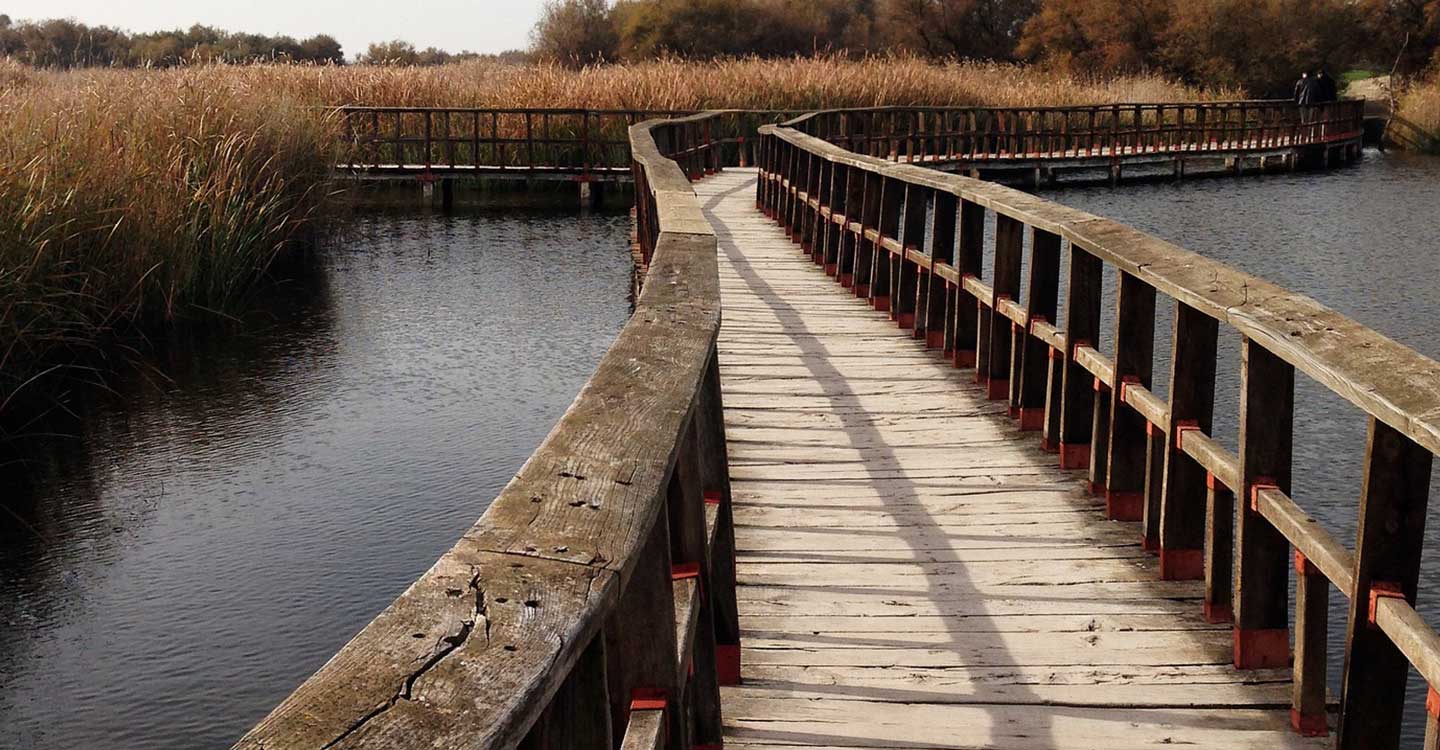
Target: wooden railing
{"x": 911, "y": 240}
{"x": 583, "y": 143}
{"x": 1108, "y": 131}
{"x": 593, "y": 604}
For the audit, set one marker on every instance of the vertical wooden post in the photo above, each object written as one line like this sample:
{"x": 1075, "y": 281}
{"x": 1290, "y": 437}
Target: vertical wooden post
{"x": 864, "y": 248}
{"x": 969, "y": 262}
{"x": 1192, "y": 408}
{"x": 1082, "y": 328}
{"x": 1219, "y": 551}
{"x": 715, "y": 476}
{"x": 887, "y": 225}
{"x": 640, "y": 648}
{"x": 1393, "y": 502}
{"x": 1267, "y": 413}
{"x": 1134, "y": 359}
{"x": 1009, "y": 247}
{"x": 579, "y": 714}
{"x": 1312, "y": 620}
{"x": 906, "y": 280}
{"x": 942, "y": 250}
{"x": 1041, "y": 302}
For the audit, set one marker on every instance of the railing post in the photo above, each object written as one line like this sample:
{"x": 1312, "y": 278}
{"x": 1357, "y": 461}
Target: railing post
{"x": 689, "y": 555}
{"x": 579, "y": 714}
{"x": 887, "y": 226}
{"x": 640, "y": 647}
{"x": 1041, "y": 301}
{"x": 1082, "y": 328}
{"x": 905, "y": 275}
{"x": 1125, "y": 490}
{"x": 1312, "y": 620}
{"x": 1192, "y": 407}
{"x": 938, "y": 293}
{"x": 715, "y": 475}
{"x": 994, "y": 354}
{"x": 1267, "y": 413}
{"x": 969, "y": 261}
{"x": 1391, "y": 533}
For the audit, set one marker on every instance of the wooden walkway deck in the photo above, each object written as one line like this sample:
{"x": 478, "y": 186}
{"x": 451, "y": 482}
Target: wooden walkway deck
{"x": 912, "y": 573}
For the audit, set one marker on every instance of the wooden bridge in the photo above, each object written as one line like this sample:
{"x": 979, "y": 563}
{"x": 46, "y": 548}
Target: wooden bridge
{"x": 592, "y": 146}
{"x": 905, "y": 497}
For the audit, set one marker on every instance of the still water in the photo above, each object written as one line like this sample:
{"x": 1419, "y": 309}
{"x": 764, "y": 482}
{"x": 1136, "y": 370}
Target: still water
{"x": 203, "y": 548}
{"x": 1363, "y": 240}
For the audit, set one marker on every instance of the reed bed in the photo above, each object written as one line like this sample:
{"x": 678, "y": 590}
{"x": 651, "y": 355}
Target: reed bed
{"x": 134, "y": 200}
{"x": 1416, "y": 124}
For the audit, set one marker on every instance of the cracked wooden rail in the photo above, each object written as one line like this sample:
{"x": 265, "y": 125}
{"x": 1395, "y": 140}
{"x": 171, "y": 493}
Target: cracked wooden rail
{"x": 911, "y": 241}
{"x": 594, "y": 601}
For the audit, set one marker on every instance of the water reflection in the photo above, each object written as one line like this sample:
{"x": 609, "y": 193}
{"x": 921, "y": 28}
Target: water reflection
{"x": 209, "y": 540}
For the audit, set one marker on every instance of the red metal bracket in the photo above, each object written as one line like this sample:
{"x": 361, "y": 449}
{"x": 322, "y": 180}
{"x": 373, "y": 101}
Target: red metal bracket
{"x": 1125, "y": 382}
{"x": 714, "y": 498}
{"x": 1303, "y": 566}
{"x": 648, "y": 699}
{"x": 1182, "y": 427}
{"x": 1260, "y": 484}
{"x": 1074, "y": 347}
{"x": 1182, "y": 564}
{"x": 682, "y": 571}
{"x": 1382, "y": 590}
{"x": 1432, "y": 703}
{"x": 1037, "y": 319}
{"x": 1074, "y": 456}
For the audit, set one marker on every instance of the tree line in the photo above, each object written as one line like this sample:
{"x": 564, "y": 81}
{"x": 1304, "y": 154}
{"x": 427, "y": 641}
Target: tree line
{"x": 1259, "y": 44}
{"x": 65, "y": 43}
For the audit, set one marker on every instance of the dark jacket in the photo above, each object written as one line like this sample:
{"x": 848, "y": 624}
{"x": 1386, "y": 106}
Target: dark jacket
{"x": 1306, "y": 90}
{"x": 1326, "y": 90}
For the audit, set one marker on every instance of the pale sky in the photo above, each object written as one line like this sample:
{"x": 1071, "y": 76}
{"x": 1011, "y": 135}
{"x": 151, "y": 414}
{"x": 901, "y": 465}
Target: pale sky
{"x": 454, "y": 25}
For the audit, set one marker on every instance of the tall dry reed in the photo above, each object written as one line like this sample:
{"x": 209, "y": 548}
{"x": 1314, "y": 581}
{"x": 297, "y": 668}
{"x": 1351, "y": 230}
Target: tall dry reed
{"x": 1416, "y": 124}
{"x": 133, "y": 199}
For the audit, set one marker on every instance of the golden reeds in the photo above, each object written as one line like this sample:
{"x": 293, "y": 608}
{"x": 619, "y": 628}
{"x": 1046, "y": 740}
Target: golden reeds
{"x": 131, "y": 199}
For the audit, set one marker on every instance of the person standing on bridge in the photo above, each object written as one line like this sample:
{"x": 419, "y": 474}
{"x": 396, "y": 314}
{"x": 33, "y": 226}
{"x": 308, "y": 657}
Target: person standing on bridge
{"x": 1326, "y": 90}
{"x": 1304, "y": 88}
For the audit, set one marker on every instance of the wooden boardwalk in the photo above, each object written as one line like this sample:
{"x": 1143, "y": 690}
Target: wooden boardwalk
{"x": 913, "y": 572}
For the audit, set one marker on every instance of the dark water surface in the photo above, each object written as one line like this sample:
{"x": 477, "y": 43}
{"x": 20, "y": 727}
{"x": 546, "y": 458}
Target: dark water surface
{"x": 1363, "y": 240}
{"x": 207, "y": 546}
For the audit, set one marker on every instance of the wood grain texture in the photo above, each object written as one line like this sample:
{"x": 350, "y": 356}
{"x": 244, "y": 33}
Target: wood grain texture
{"x": 914, "y": 571}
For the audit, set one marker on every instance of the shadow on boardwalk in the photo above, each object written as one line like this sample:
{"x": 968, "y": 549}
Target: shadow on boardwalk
{"x": 988, "y": 703}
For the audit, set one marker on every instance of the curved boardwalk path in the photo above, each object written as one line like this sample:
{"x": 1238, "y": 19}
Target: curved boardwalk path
{"x": 913, "y": 573}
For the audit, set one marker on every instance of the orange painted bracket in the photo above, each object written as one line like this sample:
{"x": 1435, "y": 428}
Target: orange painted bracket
{"x": 1100, "y": 386}
{"x": 1383, "y": 590}
{"x": 1125, "y": 382}
{"x": 1262, "y": 648}
{"x": 683, "y": 571}
{"x": 1432, "y": 703}
{"x": 905, "y": 320}
{"x": 934, "y": 339}
{"x": 1076, "y": 345}
{"x": 1032, "y": 418}
{"x": 648, "y": 699}
{"x": 1211, "y": 483}
{"x": 1260, "y": 483}
{"x": 1303, "y": 566}
{"x": 714, "y": 498}
{"x": 1182, "y": 564}
{"x": 880, "y": 303}
{"x": 727, "y": 664}
{"x": 997, "y": 390}
{"x": 1180, "y": 428}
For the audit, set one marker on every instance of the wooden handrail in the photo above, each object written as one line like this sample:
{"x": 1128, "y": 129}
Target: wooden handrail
{"x": 599, "y": 584}
{"x": 577, "y": 141}
{"x": 1109, "y": 132}
{"x": 910, "y": 239}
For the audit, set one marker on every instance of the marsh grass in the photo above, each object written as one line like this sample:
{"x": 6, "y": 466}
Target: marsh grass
{"x": 1416, "y": 124}
{"x": 134, "y": 201}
